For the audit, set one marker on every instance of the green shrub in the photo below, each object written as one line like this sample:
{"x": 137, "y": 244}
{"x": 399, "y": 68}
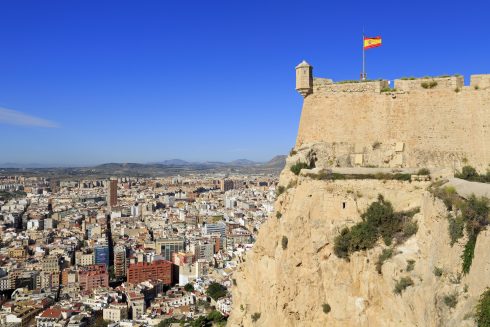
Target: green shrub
{"x": 216, "y": 290}
{"x": 410, "y": 265}
{"x": 284, "y": 242}
{"x": 482, "y": 316}
{"x": 448, "y": 195}
{"x": 292, "y": 152}
{"x": 326, "y": 308}
{"x": 278, "y": 215}
{"x": 363, "y": 236}
{"x": 215, "y": 316}
{"x": 410, "y": 228}
{"x": 378, "y": 220}
{"x": 402, "y": 284}
{"x": 438, "y": 271}
{"x": 475, "y": 212}
{"x": 429, "y": 84}
{"x": 342, "y": 244}
{"x": 189, "y": 287}
{"x": 456, "y": 227}
{"x": 468, "y": 254}
{"x": 255, "y": 316}
{"x": 423, "y": 171}
{"x": 296, "y": 168}
{"x": 468, "y": 173}
{"x": 280, "y": 190}
{"x": 385, "y": 255}
{"x": 451, "y": 300}
{"x": 388, "y": 89}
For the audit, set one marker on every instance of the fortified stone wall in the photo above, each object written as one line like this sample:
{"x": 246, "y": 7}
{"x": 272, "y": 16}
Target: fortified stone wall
{"x": 446, "y": 126}
{"x": 451, "y": 83}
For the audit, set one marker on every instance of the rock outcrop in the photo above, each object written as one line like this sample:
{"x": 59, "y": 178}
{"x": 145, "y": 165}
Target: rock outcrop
{"x": 292, "y": 277}
{"x": 289, "y": 286}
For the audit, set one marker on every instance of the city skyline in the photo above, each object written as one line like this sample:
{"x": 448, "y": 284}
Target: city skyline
{"x": 90, "y": 83}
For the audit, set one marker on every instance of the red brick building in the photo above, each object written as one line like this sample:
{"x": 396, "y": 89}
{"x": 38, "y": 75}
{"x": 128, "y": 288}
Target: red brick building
{"x": 143, "y": 271}
{"x": 93, "y": 276}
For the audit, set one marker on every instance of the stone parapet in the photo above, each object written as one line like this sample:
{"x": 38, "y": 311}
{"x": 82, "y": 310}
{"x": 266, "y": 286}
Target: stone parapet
{"x": 436, "y": 83}
{"x": 481, "y": 81}
{"x": 371, "y": 86}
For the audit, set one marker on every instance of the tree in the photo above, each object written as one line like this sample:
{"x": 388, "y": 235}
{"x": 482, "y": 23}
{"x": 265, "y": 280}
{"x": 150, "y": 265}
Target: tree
{"x": 189, "y": 287}
{"x": 215, "y": 316}
{"x": 216, "y": 290}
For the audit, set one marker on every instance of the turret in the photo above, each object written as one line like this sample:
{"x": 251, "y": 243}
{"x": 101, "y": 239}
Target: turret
{"x": 304, "y": 78}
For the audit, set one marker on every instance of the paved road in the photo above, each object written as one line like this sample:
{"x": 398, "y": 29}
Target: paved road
{"x": 465, "y": 188}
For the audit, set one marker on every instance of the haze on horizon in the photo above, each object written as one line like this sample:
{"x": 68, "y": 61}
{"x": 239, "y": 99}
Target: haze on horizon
{"x": 90, "y": 82}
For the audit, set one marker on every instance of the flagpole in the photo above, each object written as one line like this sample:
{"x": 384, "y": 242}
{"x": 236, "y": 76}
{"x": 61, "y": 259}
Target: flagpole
{"x": 363, "y": 77}
{"x": 363, "y": 61}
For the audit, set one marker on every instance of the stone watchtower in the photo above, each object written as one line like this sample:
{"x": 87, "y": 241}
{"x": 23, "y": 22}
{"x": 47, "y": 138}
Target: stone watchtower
{"x": 304, "y": 78}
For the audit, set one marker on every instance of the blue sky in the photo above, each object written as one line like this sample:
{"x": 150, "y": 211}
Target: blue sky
{"x": 87, "y": 82}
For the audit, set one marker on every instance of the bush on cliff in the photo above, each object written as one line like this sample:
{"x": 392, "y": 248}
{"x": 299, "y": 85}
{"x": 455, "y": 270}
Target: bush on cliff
{"x": 379, "y": 220}
{"x": 296, "y": 168}
{"x": 483, "y": 309}
{"x": 216, "y": 290}
{"x": 470, "y": 174}
{"x": 402, "y": 284}
{"x": 284, "y": 242}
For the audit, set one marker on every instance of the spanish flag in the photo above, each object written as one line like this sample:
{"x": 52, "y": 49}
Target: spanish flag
{"x": 372, "y": 42}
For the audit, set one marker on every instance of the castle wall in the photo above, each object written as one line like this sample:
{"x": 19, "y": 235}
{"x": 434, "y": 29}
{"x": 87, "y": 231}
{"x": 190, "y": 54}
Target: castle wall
{"x": 374, "y": 86}
{"x": 451, "y": 83}
{"x": 420, "y": 128}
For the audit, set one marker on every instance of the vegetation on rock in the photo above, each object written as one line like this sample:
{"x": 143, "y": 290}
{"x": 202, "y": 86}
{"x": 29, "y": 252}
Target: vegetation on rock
{"x": 385, "y": 255}
{"x": 216, "y": 290}
{"x": 470, "y": 174}
{"x": 296, "y": 168}
{"x": 326, "y": 308}
{"x": 284, "y": 242}
{"x": 402, "y": 284}
{"x": 451, "y": 300}
{"x": 483, "y": 310}
{"x": 379, "y": 220}
{"x": 255, "y": 316}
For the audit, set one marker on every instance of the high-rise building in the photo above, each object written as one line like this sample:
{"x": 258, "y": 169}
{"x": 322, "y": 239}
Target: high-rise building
{"x": 143, "y": 271}
{"x": 119, "y": 261}
{"x": 112, "y": 192}
{"x": 166, "y": 247}
{"x": 101, "y": 254}
{"x": 226, "y": 185}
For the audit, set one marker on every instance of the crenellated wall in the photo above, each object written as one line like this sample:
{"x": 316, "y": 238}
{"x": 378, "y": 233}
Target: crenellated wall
{"x": 446, "y": 126}
{"x": 451, "y": 83}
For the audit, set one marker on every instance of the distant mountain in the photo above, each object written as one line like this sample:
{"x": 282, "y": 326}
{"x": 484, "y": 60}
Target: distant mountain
{"x": 174, "y": 162}
{"x": 243, "y": 162}
{"x": 278, "y": 162}
{"x": 163, "y": 168}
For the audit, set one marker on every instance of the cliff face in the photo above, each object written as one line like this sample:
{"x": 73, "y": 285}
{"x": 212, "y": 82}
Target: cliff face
{"x": 292, "y": 276}
{"x": 288, "y": 287}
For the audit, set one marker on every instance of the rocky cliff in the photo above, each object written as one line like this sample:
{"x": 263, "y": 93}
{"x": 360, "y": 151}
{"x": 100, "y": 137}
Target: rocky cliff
{"x": 294, "y": 277}
{"x": 289, "y": 286}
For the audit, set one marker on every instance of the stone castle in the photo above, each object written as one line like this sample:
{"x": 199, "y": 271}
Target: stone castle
{"x": 426, "y": 122}
{"x": 293, "y": 278}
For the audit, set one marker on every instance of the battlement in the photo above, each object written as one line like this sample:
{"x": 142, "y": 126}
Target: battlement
{"x": 306, "y": 84}
{"x": 428, "y": 83}
{"x": 320, "y": 85}
{"x": 419, "y": 122}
